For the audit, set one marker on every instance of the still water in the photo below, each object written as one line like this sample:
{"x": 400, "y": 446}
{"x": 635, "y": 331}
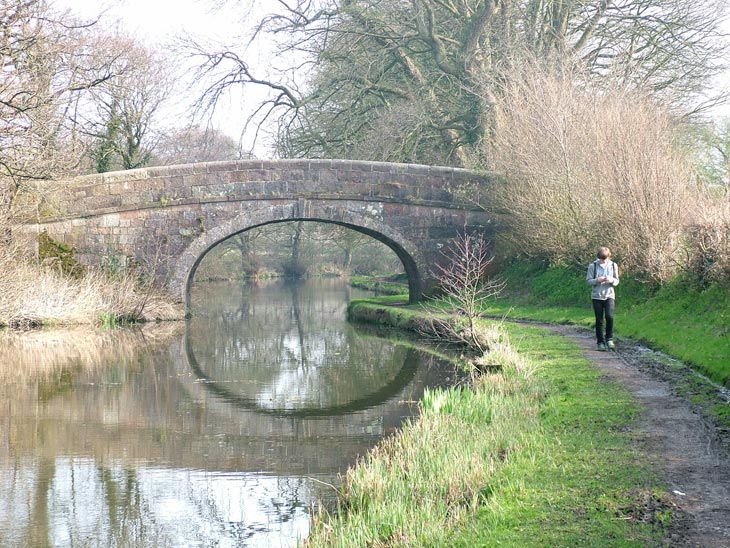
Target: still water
{"x": 223, "y": 431}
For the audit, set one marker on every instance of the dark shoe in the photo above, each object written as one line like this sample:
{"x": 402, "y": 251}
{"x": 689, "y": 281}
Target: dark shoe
{"x": 602, "y": 346}
{"x": 610, "y": 344}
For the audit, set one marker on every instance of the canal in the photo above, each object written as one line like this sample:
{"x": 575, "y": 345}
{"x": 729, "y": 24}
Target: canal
{"x": 226, "y": 430}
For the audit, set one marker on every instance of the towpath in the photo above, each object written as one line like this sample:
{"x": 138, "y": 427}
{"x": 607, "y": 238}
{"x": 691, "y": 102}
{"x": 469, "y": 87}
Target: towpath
{"x": 691, "y": 453}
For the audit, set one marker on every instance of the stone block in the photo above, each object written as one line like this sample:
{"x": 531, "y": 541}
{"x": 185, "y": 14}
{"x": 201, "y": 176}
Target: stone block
{"x": 226, "y": 166}
{"x": 172, "y": 171}
{"x": 384, "y": 167}
{"x": 351, "y": 189}
{"x": 110, "y": 220}
{"x": 246, "y": 165}
{"x": 243, "y": 190}
{"x": 327, "y": 176}
{"x": 442, "y": 232}
{"x": 366, "y": 167}
{"x": 218, "y": 177}
{"x": 296, "y": 165}
{"x": 343, "y": 165}
{"x": 117, "y": 188}
{"x": 419, "y": 170}
{"x": 275, "y": 189}
{"x": 257, "y": 174}
{"x": 441, "y": 195}
{"x": 96, "y": 203}
{"x": 292, "y": 174}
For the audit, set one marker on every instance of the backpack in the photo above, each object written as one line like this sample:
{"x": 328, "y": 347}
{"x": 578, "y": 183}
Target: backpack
{"x": 614, "y": 269}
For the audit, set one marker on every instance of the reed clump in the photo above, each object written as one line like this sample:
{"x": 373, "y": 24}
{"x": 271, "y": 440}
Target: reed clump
{"x": 32, "y": 295}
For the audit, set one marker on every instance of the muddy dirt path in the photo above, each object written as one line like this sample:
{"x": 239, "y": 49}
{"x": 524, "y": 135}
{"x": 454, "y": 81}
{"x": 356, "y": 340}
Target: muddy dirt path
{"x": 691, "y": 452}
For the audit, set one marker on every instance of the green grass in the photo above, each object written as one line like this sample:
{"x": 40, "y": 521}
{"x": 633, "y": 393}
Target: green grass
{"x": 691, "y": 325}
{"x": 382, "y": 286}
{"x": 585, "y": 483}
{"x": 536, "y": 453}
{"x": 687, "y": 323}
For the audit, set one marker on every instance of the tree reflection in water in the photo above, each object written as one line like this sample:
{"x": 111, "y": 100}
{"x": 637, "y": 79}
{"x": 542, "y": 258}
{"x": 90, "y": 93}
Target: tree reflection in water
{"x": 225, "y": 435}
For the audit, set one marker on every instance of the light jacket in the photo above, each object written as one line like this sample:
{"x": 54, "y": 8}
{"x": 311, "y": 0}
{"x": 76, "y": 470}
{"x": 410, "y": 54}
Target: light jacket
{"x": 602, "y": 291}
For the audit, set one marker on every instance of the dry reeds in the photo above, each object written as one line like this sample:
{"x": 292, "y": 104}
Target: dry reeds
{"x": 32, "y": 295}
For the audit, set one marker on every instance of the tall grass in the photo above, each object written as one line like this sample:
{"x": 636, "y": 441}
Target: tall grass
{"x": 414, "y": 488}
{"x": 32, "y": 295}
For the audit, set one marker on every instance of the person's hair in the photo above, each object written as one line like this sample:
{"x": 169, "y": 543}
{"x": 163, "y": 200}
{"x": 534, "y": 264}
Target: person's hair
{"x": 603, "y": 253}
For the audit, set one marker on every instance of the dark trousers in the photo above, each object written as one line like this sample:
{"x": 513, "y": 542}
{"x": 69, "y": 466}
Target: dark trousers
{"x": 601, "y": 309}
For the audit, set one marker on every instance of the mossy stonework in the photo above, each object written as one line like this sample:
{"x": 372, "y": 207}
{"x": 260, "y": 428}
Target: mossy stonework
{"x": 174, "y": 215}
{"x": 59, "y": 255}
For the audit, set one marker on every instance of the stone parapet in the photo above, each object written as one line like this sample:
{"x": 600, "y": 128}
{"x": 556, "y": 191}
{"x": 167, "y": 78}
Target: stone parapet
{"x": 248, "y": 180}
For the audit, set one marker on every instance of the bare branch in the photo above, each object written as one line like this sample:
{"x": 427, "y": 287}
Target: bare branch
{"x": 466, "y": 289}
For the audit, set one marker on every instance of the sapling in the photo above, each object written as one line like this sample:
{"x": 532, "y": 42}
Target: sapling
{"x": 465, "y": 288}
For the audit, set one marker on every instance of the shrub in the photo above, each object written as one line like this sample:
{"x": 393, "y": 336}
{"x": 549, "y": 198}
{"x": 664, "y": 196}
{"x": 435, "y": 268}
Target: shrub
{"x": 465, "y": 288}
{"x": 708, "y": 241}
{"x": 585, "y": 167}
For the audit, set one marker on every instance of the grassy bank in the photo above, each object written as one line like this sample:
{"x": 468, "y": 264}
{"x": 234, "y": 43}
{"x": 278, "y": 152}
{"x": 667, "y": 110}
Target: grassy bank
{"x": 688, "y": 323}
{"x": 383, "y": 286}
{"x": 537, "y": 452}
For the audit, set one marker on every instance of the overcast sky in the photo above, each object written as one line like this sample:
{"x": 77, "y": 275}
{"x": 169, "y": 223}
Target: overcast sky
{"x": 158, "y": 20}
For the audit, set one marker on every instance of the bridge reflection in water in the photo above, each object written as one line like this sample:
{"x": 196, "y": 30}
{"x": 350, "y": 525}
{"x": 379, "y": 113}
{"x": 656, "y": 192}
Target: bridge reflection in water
{"x": 226, "y": 433}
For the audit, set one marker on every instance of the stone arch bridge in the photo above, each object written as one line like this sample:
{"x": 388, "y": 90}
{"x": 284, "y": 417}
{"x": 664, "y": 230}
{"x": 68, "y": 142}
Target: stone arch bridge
{"x": 174, "y": 215}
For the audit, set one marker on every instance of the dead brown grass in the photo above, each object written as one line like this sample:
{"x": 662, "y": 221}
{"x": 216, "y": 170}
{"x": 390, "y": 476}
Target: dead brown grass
{"x": 32, "y": 294}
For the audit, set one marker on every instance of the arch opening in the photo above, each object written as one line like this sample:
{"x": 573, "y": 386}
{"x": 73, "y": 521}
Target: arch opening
{"x": 298, "y": 249}
{"x": 408, "y": 254}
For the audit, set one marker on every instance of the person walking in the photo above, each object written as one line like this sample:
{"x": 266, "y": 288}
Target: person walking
{"x": 602, "y": 276}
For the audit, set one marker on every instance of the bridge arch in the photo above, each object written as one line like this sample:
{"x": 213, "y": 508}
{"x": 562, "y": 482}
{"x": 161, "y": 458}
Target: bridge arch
{"x": 175, "y": 214}
{"x": 410, "y": 256}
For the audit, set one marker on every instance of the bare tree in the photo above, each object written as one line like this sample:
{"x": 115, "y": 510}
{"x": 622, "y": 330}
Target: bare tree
{"x": 465, "y": 288}
{"x": 49, "y": 61}
{"x": 345, "y": 239}
{"x": 713, "y": 155}
{"x": 44, "y": 69}
{"x": 118, "y": 116}
{"x": 195, "y": 144}
{"x": 417, "y": 80}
